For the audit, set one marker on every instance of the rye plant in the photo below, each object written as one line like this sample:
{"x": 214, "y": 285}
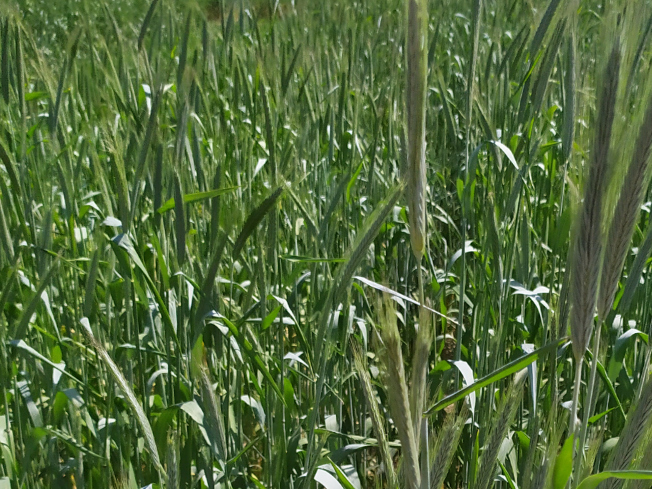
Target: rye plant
{"x": 294, "y": 244}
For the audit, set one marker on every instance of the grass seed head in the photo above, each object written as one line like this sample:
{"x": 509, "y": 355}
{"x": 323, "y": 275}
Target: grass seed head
{"x": 376, "y": 416}
{"x": 625, "y": 215}
{"x": 637, "y": 425}
{"x": 417, "y": 70}
{"x": 399, "y": 402}
{"x": 589, "y": 240}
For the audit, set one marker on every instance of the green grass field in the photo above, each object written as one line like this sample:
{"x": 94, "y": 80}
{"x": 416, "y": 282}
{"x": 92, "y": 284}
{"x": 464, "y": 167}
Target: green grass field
{"x": 225, "y": 261}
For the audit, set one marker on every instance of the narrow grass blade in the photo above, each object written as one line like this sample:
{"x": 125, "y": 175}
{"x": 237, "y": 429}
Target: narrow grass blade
{"x": 207, "y": 286}
{"x": 195, "y": 197}
{"x": 122, "y": 243}
{"x": 253, "y": 355}
{"x": 366, "y": 235}
{"x": 568, "y": 132}
{"x": 146, "y": 22}
{"x": 635, "y": 272}
{"x": 144, "y": 150}
{"x": 179, "y": 220}
{"x": 254, "y": 219}
{"x": 304, "y": 213}
{"x": 158, "y": 179}
{"x": 213, "y": 417}
{"x": 4, "y": 60}
{"x": 10, "y": 166}
{"x": 21, "y": 345}
{"x": 21, "y": 329}
{"x": 543, "y": 27}
{"x": 285, "y": 82}
{"x": 352, "y": 260}
{"x": 563, "y": 464}
{"x": 89, "y": 293}
{"x": 403, "y": 297}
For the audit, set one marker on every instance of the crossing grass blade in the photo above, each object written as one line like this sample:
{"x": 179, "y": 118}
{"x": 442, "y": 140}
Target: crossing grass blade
{"x": 195, "y": 197}
{"x": 501, "y": 373}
